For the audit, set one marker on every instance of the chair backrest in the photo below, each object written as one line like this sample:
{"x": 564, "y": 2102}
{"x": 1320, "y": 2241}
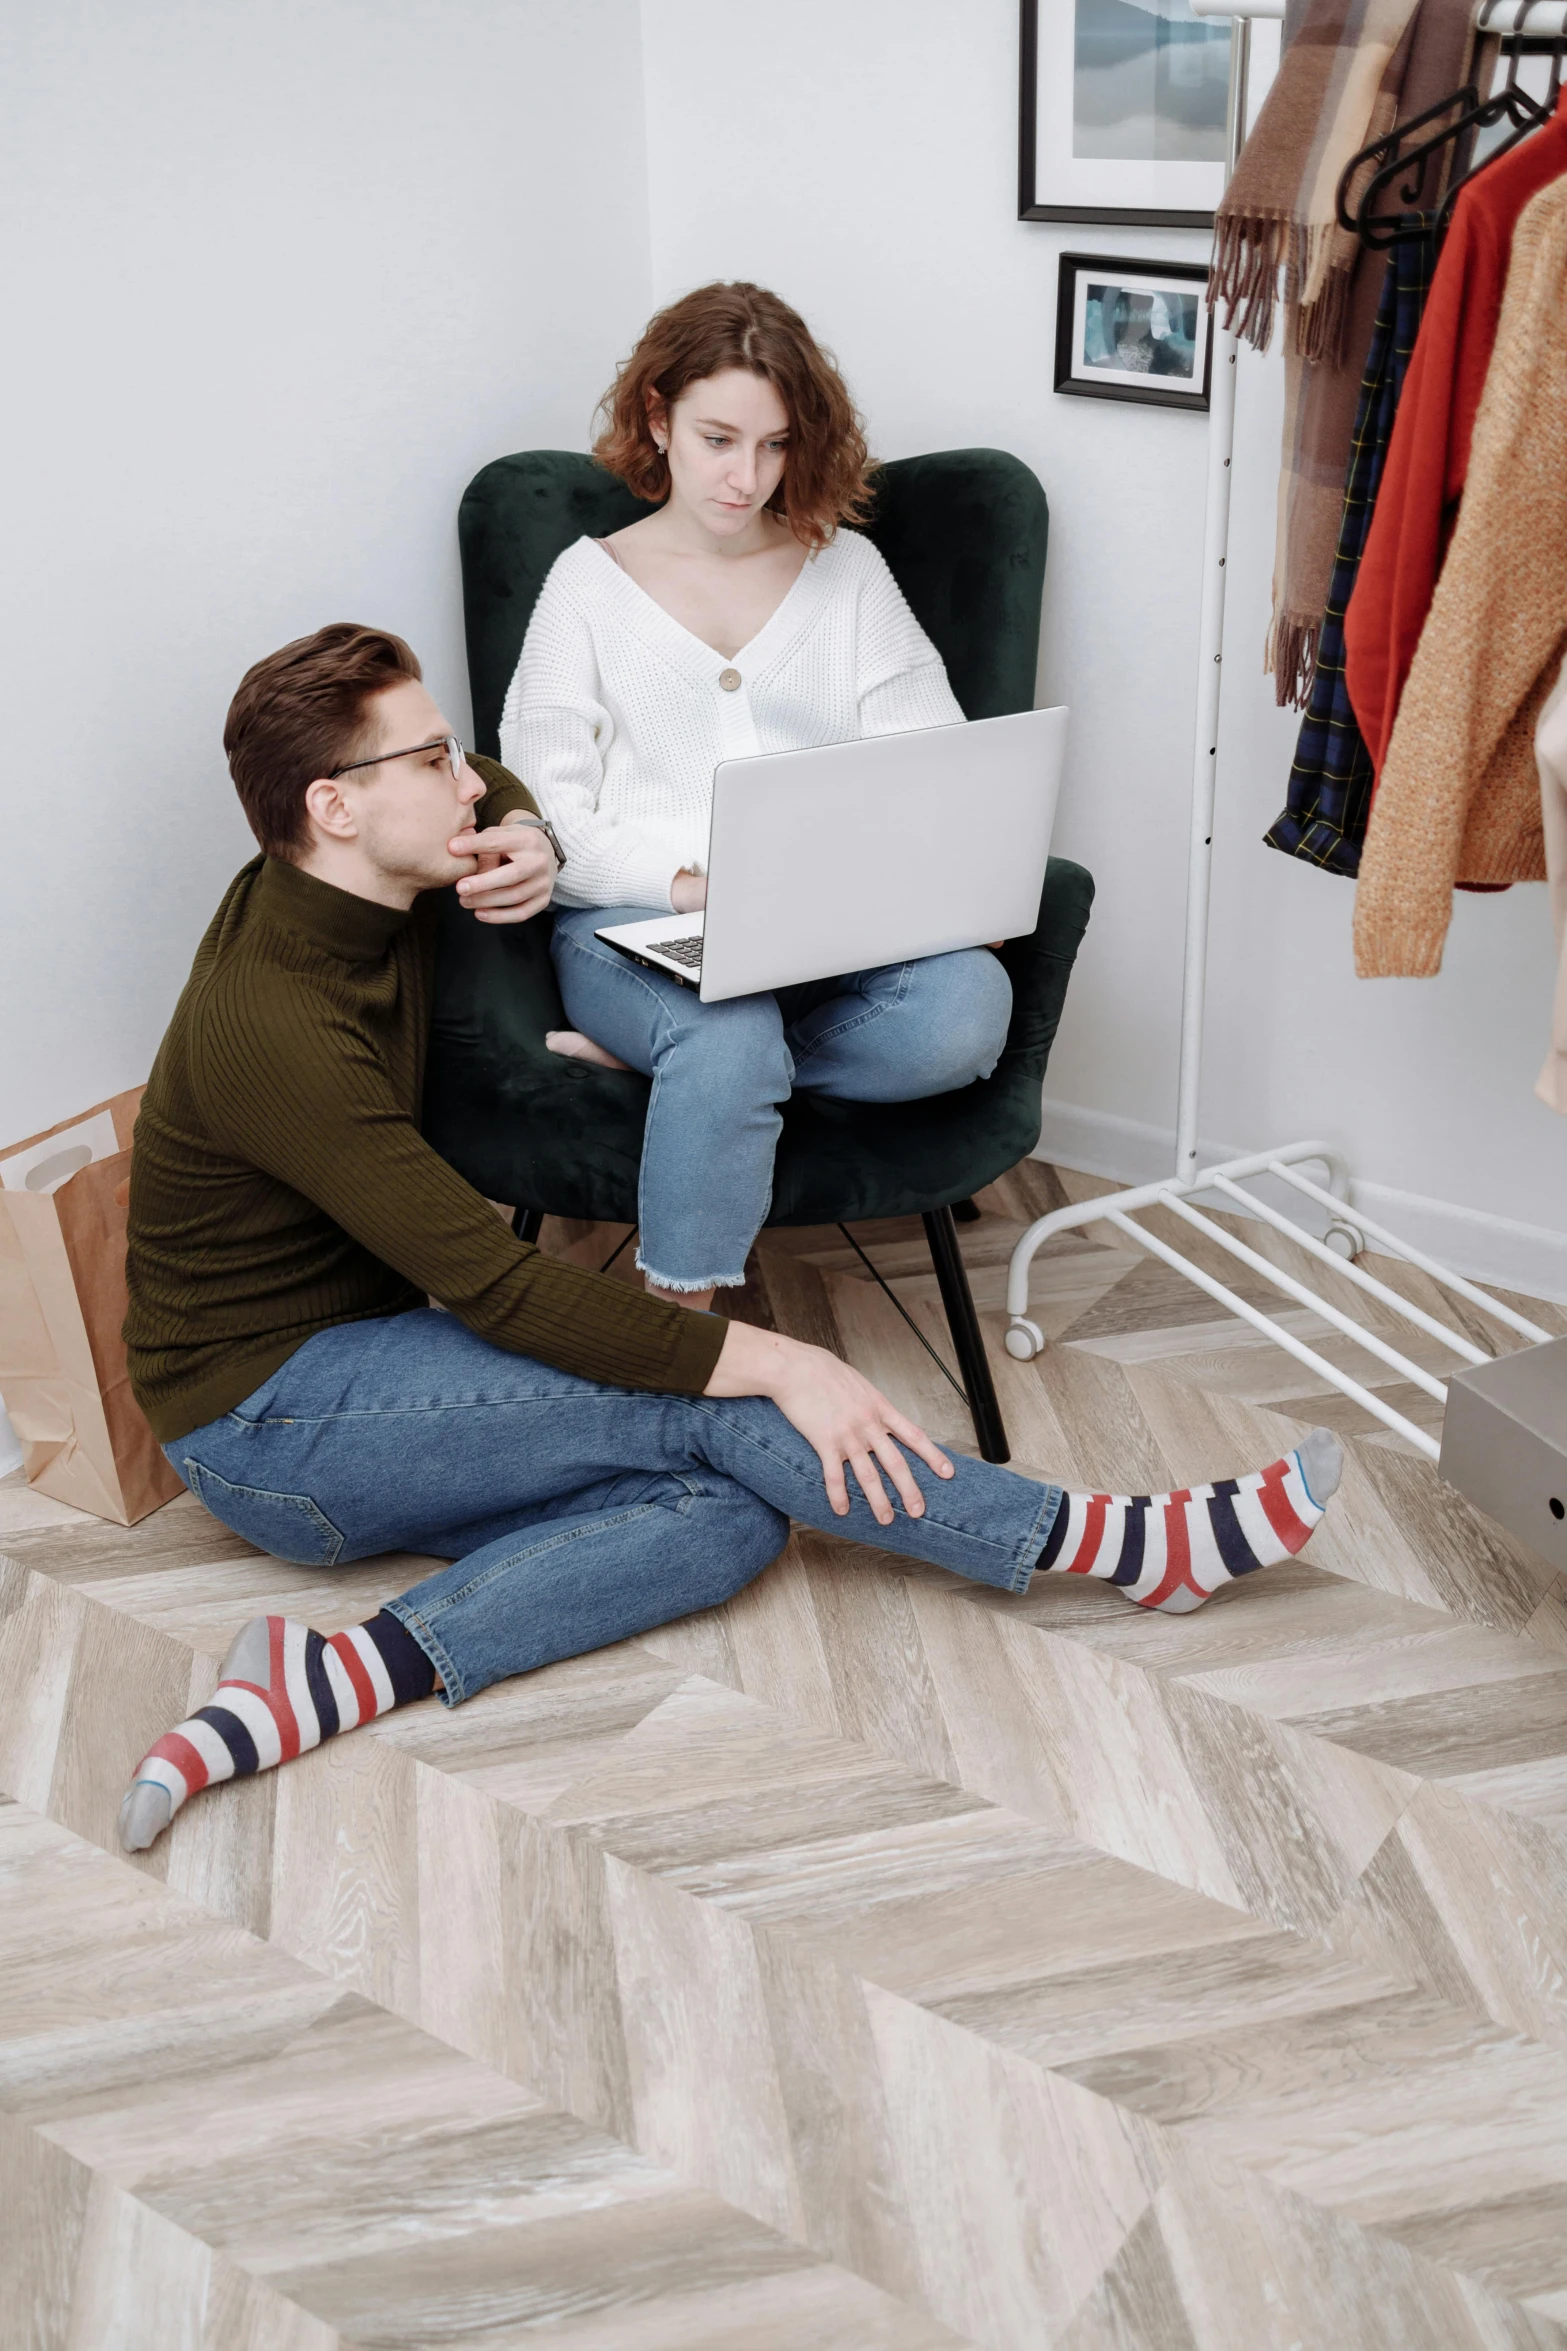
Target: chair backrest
{"x": 963, "y": 531}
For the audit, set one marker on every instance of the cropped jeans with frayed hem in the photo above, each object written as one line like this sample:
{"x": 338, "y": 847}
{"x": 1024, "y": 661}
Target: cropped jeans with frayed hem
{"x": 720, "y": 1071}
{"x": 574, "y": 1515}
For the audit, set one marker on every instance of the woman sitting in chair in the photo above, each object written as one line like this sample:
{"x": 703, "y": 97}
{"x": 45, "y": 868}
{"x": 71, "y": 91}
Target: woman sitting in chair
{"x": 736, "y": 618}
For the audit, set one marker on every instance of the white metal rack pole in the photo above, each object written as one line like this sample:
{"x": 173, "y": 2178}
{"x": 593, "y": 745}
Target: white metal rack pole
{"x": 1350, "y": 1228}
{"x": 1534, "y": 20}
{"x": 1210, "y": 655}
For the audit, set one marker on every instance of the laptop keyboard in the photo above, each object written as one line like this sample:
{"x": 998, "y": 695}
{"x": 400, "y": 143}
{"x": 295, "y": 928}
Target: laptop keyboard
{"x": 686, "y": 951}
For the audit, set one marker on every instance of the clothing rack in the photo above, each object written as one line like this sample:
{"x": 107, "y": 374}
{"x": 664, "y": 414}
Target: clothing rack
{"x": 1521, "y": 26}
{"x": 1523, "y": 20}
{"x": 1349, "y": 1228}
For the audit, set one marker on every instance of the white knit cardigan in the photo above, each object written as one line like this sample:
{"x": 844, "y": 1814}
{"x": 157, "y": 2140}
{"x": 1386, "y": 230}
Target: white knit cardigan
{"x": 617, "y": 717}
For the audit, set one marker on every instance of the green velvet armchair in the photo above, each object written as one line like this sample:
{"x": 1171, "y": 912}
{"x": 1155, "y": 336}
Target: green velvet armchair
{"x": 964, "y": 534}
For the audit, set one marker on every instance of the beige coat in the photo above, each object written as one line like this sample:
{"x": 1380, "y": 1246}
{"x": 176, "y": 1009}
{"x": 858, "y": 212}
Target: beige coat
{"x": 1550, "y": 743}
{"x": 1459, "y": 798}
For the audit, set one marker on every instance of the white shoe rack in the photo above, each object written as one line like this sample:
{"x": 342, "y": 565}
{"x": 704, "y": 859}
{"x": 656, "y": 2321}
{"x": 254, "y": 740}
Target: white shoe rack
{"x": 1349, "y": 1228}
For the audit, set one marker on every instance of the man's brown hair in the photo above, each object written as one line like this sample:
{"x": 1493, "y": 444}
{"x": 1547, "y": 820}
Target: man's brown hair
{"x": 301, "y": 713}
{"x": 721, "y": 326}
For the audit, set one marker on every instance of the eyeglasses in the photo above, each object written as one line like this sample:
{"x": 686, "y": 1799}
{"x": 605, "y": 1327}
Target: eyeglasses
{"x": 453, "y": 749}
{"x": 448, "y": 743}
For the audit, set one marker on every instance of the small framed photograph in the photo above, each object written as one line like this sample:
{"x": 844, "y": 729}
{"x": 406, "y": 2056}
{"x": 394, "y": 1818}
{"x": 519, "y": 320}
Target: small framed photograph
{"x": 1122, "y": 112}
{"x": 1134, "y": 330}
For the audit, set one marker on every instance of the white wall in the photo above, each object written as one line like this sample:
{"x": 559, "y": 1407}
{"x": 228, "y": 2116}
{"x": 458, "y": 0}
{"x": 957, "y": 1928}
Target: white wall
{"x": 860, "y": 156}
{"x": 277, "y": 279}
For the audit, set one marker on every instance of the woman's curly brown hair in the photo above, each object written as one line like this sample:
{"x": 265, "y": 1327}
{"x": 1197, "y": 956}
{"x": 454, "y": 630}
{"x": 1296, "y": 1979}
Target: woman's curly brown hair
{"x": 825, "y": 476}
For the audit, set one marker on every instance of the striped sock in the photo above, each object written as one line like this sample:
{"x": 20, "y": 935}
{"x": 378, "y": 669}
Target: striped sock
{"x": 1174, "y": 1551}
{"x": 281, "y": 1689}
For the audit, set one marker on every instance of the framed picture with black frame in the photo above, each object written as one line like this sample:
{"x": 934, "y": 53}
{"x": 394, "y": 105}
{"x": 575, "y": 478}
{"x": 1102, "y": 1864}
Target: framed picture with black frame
{"x": 1121, "y": 113}
{"x": 1134, "y": 330}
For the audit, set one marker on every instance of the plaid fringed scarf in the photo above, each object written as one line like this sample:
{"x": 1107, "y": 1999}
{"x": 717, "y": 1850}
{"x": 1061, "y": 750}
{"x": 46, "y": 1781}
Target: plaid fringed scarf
{"x": 1276, "y": 221}
{"x": 1324, "y": 819}
{"x": 1349, "y": 71}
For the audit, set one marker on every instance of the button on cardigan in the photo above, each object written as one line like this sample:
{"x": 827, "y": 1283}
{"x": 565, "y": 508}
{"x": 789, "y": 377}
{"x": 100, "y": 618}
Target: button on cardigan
{"x": 617, "y": 715}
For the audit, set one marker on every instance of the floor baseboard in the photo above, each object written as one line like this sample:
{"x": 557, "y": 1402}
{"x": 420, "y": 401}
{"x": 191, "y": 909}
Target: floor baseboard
{"x": 1495, "y": 1249}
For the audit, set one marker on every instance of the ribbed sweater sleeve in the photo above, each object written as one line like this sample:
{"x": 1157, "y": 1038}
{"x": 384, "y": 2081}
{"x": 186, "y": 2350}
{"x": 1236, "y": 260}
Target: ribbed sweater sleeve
{"x": 292, "y": 1083}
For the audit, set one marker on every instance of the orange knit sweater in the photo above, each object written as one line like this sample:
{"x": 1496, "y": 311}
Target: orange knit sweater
{"x": 1459, "y": 798}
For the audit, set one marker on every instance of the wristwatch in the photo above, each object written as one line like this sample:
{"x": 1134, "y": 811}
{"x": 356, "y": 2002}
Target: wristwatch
{"x": 541, "y": 824}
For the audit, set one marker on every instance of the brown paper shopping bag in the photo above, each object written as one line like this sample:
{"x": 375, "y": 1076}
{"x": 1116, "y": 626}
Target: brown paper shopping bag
{"x": 62, "y": 1301}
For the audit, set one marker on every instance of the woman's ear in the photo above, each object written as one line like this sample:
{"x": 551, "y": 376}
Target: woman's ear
{"x": 658, "y": 421}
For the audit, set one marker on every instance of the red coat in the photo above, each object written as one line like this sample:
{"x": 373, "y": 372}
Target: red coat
{"x": 1428, "y": 455}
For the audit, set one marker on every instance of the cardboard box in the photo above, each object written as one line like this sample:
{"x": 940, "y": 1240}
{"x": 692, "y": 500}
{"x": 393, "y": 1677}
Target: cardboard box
{"x": 1504, "y": 1443}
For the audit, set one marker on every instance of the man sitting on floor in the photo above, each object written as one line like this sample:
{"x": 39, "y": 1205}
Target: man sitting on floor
{"x": 592, "y": 1461}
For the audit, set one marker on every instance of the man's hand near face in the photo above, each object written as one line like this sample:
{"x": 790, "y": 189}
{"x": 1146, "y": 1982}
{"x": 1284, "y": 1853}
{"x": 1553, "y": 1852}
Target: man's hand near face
{"x": 514, "y": 871}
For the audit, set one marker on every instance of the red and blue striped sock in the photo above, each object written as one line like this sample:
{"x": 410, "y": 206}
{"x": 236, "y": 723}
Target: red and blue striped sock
{"x": 1174, "y": 1551}
{"x": 281, "y": 1690}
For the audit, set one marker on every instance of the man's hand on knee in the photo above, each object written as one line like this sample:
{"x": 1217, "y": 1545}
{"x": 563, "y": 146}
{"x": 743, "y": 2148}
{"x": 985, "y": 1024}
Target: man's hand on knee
{"x": 838, "y": 1412}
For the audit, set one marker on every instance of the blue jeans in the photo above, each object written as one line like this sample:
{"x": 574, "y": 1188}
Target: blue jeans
{"x": 575, "y": 1515}
{"x": 720, "y": 1071}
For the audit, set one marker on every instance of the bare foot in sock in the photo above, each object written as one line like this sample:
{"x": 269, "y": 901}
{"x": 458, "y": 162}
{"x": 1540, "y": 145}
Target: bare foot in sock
{"x": 572, "y": 1045}
{"x": 1174, "y": 1551}
{"x": 281, "y": 1690}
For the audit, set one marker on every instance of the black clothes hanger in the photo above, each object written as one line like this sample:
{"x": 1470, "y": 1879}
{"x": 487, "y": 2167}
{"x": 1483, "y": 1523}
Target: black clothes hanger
{"x": 1529, "y": 114}
{"x": 1467, "y": 114}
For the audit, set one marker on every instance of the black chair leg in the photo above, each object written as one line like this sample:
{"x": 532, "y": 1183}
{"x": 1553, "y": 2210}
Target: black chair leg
{"x": 527, "y": 1223}
{"x": 958, "y": 1299}
{"x": 965, "y": 1212}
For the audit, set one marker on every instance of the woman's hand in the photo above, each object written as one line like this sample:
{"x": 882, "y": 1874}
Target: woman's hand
{"x": 688, "y": 891}
{"x": 515, "y": 874}
{"x": 836, "y": 1409}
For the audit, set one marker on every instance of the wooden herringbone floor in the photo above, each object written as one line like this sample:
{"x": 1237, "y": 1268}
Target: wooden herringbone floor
{"x": 875, "y": 1962}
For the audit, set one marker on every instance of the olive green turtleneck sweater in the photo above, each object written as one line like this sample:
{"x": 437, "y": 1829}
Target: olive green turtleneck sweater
{"x": 280, "y": 1184}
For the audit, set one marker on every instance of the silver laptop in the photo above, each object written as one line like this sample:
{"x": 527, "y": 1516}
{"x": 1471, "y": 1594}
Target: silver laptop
{"x": 859, "y": 854}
